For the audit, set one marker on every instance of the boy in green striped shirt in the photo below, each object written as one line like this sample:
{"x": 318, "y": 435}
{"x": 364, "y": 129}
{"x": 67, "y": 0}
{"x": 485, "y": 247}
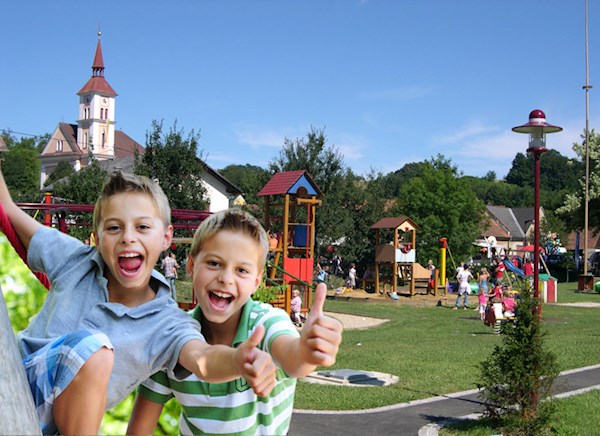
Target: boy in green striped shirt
{"x": 226, "y": 263}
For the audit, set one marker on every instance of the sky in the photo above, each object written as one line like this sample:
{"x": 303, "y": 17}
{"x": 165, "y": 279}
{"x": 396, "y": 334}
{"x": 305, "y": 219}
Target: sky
{"x": 390, "y": 81}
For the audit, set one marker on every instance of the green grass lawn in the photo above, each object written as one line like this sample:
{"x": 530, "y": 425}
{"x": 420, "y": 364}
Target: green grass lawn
{"x": 577, "y": 415}
{"x": 435, "y": 350}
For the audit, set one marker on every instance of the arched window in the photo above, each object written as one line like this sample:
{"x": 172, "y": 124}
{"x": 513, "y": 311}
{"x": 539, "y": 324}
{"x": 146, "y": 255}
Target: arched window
{"x": 59, "y": 145}
{"x": 103, "y": 136}
{"x": 85, "y": 140}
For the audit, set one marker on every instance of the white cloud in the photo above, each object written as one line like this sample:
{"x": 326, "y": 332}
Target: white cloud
{"x": 472, "y": 129}
{"x": 351, "y": 147}
{"x": 257, "y": 138}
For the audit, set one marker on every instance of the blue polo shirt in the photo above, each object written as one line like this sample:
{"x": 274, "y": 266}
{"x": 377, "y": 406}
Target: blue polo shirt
{"x": 146, "y": 338}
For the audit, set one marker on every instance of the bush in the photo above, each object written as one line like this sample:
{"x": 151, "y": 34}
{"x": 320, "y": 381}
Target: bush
{"x": 517, "y": 378}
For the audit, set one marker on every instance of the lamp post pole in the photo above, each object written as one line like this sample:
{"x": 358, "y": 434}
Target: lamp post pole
{"x": 537, "y": 152}
{"x": 537, "y": 128}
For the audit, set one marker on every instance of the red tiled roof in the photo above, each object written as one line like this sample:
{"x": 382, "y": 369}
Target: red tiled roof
{"x": 494, "y": 228}
{"x": 125, "y": 146}
{"x": 593, "y": 240}
{"x": 393, "y": 222}
{"x": 98, "y": 84}
{"x": 282, "y": 182}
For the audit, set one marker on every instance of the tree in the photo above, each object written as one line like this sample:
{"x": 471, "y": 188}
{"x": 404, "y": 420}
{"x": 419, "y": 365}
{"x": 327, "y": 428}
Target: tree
{"x": 572, "y": 209}
{"x": 442, "y": 205}
{"x": 175, "y": 163}
{"x": 392, "y": 182}
{"x": 250, "y": 179}
{"x": 63, "y": 169}
{"x": 21, "y": 167}
{"x": 557, "y": 172}
{"x": 518, "y": 376}
{"x": 84, "y": 186}
{"x": 324, "y": 163}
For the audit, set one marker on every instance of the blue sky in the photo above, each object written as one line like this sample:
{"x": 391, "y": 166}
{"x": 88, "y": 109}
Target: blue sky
{"x": 391, "y": 81}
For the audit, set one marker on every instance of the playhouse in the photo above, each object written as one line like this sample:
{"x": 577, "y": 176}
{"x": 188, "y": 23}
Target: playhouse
{"x": 291, "y": 200}
{"x": 398, "y": 251}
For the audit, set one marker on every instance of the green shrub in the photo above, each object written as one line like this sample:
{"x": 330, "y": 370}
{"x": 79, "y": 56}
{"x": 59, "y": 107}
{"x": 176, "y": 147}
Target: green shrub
{"x": 517, "y": 378}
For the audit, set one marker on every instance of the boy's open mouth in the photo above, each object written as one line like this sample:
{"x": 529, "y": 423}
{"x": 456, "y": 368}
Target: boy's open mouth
{"x": 220, "y": 300}
{"x": 130, "y": 263}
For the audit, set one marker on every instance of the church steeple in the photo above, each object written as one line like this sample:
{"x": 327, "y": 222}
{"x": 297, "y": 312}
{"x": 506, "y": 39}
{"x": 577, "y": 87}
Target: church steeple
{"x": 96, "y": 131}
{"x": 98, "y": 65}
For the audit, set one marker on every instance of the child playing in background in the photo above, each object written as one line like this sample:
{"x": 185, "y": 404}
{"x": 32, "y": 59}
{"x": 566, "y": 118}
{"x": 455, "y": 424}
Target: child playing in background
{"x": 226, "y": 263}
{"x": 508, "y": 304}
{"x": 108, "y": 323}
{"x": 351, "y": 277}
{"x": 482, "y": 296}
{"x": 295, "y": 306}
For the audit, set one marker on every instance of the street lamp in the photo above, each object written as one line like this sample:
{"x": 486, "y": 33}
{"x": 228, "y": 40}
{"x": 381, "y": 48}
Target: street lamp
{"x": 537, "y": 129}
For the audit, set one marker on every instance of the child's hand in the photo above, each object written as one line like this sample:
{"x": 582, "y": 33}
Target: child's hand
{"x": 321, "y": 335}
{"x": 256, "y": 366}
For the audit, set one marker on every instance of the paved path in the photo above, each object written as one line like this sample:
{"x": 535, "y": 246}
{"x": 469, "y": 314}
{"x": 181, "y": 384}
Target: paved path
{"x": 409, "y": 418}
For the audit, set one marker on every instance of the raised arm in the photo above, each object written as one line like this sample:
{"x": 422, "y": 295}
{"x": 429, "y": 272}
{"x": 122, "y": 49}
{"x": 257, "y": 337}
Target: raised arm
{"x": 318, "y": 343}
{"x": 25, "y": 226}
{"x": 220, "y": 363}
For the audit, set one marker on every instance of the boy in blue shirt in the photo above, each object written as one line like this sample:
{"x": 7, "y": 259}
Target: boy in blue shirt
{"x": 108, "y": 323}
{"x": 226, "y": 263}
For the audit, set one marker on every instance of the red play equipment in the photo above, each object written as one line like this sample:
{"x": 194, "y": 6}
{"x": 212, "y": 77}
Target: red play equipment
{"x": 291, "y": 200}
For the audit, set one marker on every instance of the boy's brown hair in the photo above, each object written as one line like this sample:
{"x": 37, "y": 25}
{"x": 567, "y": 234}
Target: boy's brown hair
{"x": 120, "y": 182}
{"x": 234, "y": 220}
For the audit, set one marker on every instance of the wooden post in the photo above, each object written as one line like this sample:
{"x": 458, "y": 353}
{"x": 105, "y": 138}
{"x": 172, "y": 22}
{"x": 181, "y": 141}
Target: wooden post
{"x": 17, "y": 411}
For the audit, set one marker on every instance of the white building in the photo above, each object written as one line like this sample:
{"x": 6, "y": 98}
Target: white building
{"x": 95, "y": 135}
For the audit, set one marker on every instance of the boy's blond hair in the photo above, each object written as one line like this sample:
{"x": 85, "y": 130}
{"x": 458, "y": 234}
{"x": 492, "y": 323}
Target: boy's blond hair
{"x": 234, "y": 220}
{"x": 120, "y": 182}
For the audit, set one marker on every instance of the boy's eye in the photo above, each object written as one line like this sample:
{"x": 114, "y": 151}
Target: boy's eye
{"x": 243, "y": 271}
{"x": 212, "y": 263}
{"x": 143, "y": 227}
{"x": 112, "y": 228}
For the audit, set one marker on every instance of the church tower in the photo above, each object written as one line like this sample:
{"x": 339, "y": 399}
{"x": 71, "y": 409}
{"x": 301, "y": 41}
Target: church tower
{"x": 94, "y": 134}
{"x": 96, "y": 123}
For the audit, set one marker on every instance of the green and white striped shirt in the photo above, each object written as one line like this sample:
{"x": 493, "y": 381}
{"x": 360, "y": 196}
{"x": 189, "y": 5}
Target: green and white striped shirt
{"x": 232, "y": 408}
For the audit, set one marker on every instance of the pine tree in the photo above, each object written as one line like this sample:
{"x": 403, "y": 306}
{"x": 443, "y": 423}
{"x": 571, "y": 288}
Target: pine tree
{"x": 518, "y": 376}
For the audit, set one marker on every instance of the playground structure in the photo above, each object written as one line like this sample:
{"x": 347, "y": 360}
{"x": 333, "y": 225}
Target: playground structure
{"x": 291, "y": 200}
{"x": 399, "y": 254}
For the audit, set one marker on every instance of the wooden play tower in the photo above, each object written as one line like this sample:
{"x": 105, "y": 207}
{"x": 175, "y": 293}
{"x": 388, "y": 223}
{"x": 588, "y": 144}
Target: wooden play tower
{"x": 291, "y": 200}
{"x": 398, "y": 250}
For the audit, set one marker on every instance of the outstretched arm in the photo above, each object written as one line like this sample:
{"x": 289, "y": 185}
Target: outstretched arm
{"x": 318, "y": 344}
{"x": 220, "y": 363}
{"x": 144, "y": 416}
{"x": 24, "y": 225}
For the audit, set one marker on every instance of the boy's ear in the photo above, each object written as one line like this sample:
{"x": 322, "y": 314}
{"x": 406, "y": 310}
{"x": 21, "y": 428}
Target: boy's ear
{"x": 257, "y": 281}
{"x": 168, "y": 237}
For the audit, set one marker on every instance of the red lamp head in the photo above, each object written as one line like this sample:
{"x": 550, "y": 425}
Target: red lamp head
{"x": 537, "y": 127}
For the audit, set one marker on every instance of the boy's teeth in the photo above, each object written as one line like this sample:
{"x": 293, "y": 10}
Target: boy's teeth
{"x": 221, "y": 294}
{"x": 129, "y": 255}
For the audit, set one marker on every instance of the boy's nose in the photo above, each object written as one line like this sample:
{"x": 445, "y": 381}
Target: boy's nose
{"x": 129, "y": 235}
{"x": 226, "y": 276}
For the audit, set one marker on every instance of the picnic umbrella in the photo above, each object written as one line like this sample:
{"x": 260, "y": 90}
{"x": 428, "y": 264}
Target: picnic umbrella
{"x": 529, "y": 248}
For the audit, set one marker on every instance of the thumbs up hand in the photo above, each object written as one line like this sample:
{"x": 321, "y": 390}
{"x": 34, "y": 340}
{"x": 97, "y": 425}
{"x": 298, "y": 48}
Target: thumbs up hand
{"x": 256, "y": 366}
{"x": 321, "y": 335}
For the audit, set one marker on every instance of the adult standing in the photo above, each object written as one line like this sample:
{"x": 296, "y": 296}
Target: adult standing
{"x": 337, "y": 261}
{"x": 463, "y": 287}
